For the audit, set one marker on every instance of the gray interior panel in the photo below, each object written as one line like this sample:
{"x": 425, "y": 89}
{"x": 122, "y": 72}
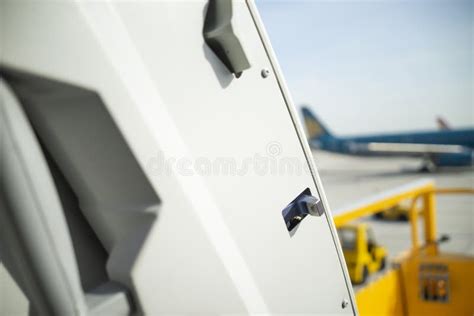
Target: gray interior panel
{"x": 108, "y": 202}
{"x": 34, "y": 230}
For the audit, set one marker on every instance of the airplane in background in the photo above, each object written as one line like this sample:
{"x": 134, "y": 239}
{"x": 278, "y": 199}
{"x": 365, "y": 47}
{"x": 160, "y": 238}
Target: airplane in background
{"x": 438, "y": 148}
{"x": 442, "y": 123}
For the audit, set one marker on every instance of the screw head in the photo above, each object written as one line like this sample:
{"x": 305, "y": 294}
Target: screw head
{"x": 345, "y": 303}
{"x": 265, "y": 73}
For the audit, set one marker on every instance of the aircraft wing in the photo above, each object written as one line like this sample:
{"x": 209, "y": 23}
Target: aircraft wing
{"x": 440, "y": 155}
{"x": 413, "y": 149}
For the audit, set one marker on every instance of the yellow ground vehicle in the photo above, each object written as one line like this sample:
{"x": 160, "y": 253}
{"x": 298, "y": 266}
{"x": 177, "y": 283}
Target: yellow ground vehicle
{"x": 401, "y": 211}
{"x": 362, "y": 253}
{"x": 394, "y": 213}
{"x": 422, "y": 280}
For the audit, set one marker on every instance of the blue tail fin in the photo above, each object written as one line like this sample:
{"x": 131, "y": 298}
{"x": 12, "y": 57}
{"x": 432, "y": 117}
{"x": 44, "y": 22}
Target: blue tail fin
{"x": 314, "y": 128}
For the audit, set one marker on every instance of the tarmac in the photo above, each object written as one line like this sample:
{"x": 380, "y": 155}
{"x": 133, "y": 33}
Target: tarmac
{"x": 348, "y": 179}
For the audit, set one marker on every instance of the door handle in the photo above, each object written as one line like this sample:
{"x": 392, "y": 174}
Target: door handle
{"x": 219, "y": 35}
{"x": 303, "y": 205}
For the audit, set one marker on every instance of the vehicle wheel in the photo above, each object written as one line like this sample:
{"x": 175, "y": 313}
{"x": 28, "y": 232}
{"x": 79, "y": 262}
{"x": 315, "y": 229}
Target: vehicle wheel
{"x": 365, "y": 275}
{"x": 383, "y": 263}
{"x": 428, "y": 167}
{"x": 378, "y": 215}
{"x": 403, "y": 218}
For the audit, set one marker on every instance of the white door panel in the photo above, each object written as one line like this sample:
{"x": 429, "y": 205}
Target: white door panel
{"x": 220, "y": 244}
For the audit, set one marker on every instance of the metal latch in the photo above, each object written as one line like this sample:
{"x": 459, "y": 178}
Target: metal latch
{"x": 300, "y": 207}
{"x": 219, "y": 35}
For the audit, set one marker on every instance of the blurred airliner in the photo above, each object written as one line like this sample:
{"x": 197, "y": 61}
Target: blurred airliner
{"x": 438, "y": 148}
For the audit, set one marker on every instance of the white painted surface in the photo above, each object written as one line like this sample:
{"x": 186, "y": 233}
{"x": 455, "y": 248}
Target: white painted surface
{"x": 12, "y": 300}
{"x": 220, "y": 244}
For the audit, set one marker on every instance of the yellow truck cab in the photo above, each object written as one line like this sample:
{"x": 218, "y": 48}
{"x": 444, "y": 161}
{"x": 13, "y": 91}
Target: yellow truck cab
{"x": 362, "y": 253}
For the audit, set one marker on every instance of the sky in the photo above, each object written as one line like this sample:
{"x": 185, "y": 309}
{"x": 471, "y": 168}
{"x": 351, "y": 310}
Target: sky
{"x": 376, "y": 66}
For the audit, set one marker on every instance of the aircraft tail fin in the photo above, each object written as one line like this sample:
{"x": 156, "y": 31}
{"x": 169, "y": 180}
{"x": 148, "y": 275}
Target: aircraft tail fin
{"x": 442, "y": 123}
{"x": 314, "y": 127}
